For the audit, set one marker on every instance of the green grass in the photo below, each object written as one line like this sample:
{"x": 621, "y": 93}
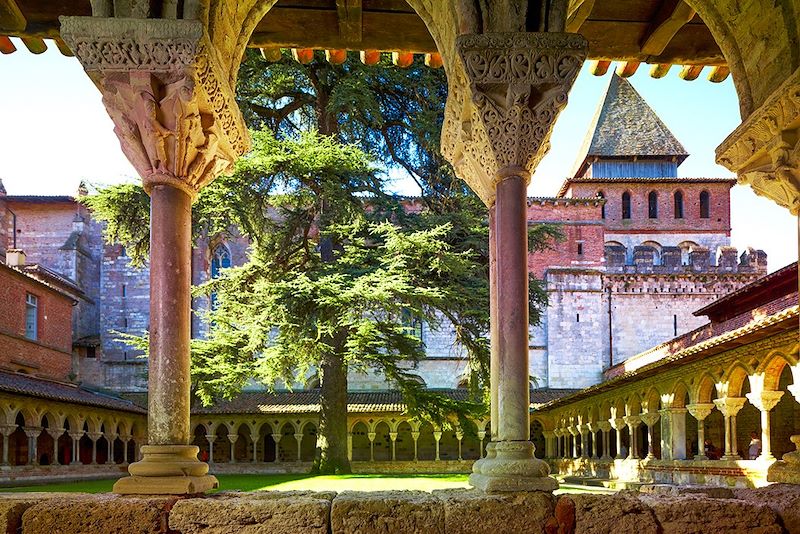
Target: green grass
{"x": 306, "y": 482}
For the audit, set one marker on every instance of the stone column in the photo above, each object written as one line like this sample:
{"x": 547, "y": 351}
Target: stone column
{"x": 549, "y": 443}
{"x": 573, "y": 437}
{"x": 633, "y": 422}
{"x": 437, "y": 435}
{"x": 605, "y": 428}
{"x": 481, "y": 437}
{"x": 94, "y": 436}
{"x": 650, "y": 419}
{"x": 233, "y": 438}
{"x": 55, "y": 433}
{"x": 393, "y": 437}
{"x": 350, "y": 446}
{"x": 277, "y": 439}
{"x": 787, "y": 469}
{"x": 415, "y": 437}
{"x": 765, "y": 401}
{"x": 593, "y": 429}
{"x": 211, "y": 438}
{"x": 76, "y": 445}
{"x": 6, "y": 430}
{"x": 618, "y": 423}
{"x": 110, "y": 439}
{"x": 700, "y": 412}
{"x": 584, "y": 431}
{"x": 33, "y": 446}
{"x": 730, "y": 406}
{"x": 299, "y": 438}
{"x": 673, "y": 433}
{"x": 125, "y": 440}
{"x": 254, "y": 439}
{"x": 497, "y": 124}
{"x": 177, "y": 121}
{"x": 371, "y": 436}
{"x": 459, "y": 437}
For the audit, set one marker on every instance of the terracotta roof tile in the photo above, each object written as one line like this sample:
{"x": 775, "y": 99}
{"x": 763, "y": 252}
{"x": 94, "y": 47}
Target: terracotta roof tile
{"x": 60, "y": 391}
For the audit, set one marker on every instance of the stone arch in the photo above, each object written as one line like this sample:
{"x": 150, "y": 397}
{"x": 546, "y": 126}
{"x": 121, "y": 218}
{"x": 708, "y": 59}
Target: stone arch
{"x": 656, "y": 246}
{"x": 360, "y": 441}
{"x": 706, "y": 389}
{"x": 633, "y": 404}
{"x": 735, "y": 378}
{"x": 680, "y": 395}
{"x": 772, "y": 368}
{"x": 287, "y": 447}
{"x": 382, "y": 446}
{"x": 651, "y": 401}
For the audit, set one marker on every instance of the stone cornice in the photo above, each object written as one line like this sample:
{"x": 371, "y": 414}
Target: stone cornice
{"x": 764, "y": 150}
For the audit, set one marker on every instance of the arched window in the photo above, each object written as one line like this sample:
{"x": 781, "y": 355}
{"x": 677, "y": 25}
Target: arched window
{"x": 220, "y": 259}
{"x": 652, "y": 205}
{"x": 705, "y": 205}
{"x": 601, "y": 196}
{"x": 678, "y": 205}
{"x": 626, "y": 205}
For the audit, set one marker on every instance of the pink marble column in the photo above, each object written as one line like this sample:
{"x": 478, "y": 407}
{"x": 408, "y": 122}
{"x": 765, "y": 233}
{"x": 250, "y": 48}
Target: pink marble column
{"x": 513, "y": 391}
{"x": 494, "y": 358}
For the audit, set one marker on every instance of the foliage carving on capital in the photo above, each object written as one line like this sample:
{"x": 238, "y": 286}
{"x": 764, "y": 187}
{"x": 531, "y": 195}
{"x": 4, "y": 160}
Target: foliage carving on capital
{"x": 500, "y": 121}
{"x": 764, "y": 151}
{"x": 173, "y": 110}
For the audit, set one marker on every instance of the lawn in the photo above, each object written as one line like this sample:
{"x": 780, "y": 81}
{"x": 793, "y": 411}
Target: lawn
{"x": 306, "y": 482}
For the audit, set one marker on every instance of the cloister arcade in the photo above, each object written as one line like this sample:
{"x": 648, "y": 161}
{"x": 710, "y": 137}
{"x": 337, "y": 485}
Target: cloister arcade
{"x": 38, "y": 433}
{"x": 683, "y": 423}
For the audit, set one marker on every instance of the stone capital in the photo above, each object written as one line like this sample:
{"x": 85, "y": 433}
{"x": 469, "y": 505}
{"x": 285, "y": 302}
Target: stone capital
{"x": 32, "y": 431}
{"x": 650, "y": 418}
{"x": 764, "y": 151}
{"x": 276, "y": 437}
{"x": 94, "y": 436}
{"x": 498, "y": 122}
{"x": 173, "y": 109}
{"x": 765, "y": 400}
{"x": 393, "y": 436}
{"x": 233, "y": 438}
{"x": 7, "y": 430}
{"x": 632, "y": 420}
{"x": 700, "y": 411}
{"x": 730, "y": 406}
{"x": 618, "y": 423}
{"x": 573, "y": 430}
{"x": 604, "y": 426}
{"x": 211, "y": 438}
{"x": 76, "y": 435}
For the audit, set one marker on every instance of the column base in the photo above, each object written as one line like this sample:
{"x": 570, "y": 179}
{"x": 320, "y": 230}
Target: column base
{"x": 167, "y": 470}
{"x": 513, "y": 468}
{"x": 700, "y": 457}
{"x": 731, "y": 457}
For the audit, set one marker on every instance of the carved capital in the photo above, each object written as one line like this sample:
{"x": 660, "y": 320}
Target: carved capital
{"x": 765, "y": 400}
{"x": 174, "y": 112}
{"x": 516, "y": 85}
{"x": 650, "y": 418}
{"x": 730, "y": 406}
{"x": 764, "y": 151}
{"x": 700, "y": 411}
{"x": 618, "y": 423}
{"x": 632, "y": 420}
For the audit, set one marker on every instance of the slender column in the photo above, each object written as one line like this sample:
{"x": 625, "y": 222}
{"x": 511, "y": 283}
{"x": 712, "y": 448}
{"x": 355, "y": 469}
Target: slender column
{"x": 605, "y": 428}
{"x": 549, "y": 443}
{"x": 6, "y": 430}
{"x": 593, "y": 429}
{"x": 700, "y": 412}
{"x": 211, "y": 438}
{"x": 94, "y": 436}
{"x": 299, "y": 439}
{"x": 415, "y": 437}
{"x": 55, "y": 433}
{"x": 277, "y": 439}
{"x": 371, "y": 436}
{"x": 33, "y": 434}
{"x": 730, "y": 406}
{"x": 437, "y": 435}
{"x": 574, "y": 433}
{"x": 254, "y": 439}
{"x": 765, "y": 401}
{"x": 650, "y": 419}
{"x": 459, "y": 437}
{"x": 481, "y": 437}
{"x": 350, "y": 446}
{"x": 125, "y": 440}
{"x": 494, "y": 356}
{"x": 584, "y": 430}
{"x": 674, "y": 438}
{"x": 633, "y": 422}
{"x": 618, "y": 423}
{"x": 233, "y": 438}
{"x": 76, "y": 445}
{"x": 110, "y": 439}
{"x": 393, "y": 437}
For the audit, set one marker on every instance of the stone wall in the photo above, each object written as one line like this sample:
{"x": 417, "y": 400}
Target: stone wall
{"x": 769, "y": 511}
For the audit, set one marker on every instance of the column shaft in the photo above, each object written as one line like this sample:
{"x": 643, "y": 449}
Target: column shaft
{"x": 513, "y": 393}
{"x": 494, "y": 358}
{"x": 766, "y": 444}
{"x": 170, "y": 315}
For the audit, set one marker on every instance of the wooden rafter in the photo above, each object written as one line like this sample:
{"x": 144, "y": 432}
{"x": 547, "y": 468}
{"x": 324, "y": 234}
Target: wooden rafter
{"x": 11, "y": 17}
{"x": 578, "y": 13}
{"x": 672, "y": 16}
{"x": 350, "y": 23}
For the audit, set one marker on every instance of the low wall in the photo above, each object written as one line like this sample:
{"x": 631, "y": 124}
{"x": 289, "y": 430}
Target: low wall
{"x": 30, "y": 474}
{"x": 737, "y": 473}
{"x": 771, "y": 510}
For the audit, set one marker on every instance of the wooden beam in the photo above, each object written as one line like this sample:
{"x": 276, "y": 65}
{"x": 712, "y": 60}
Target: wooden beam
{"x": 718, "y": 74}
{"x": 350, "y": 23}
{"x": 35, "y": 45}
{"x": 63, "y": 48}
{"x": 659, "y": 70}
{"x": 690, "y": 72}
{"x": 336, "y": 57}
{"x": 303, "y": 55}
{"x": 434, "y": 61}
{"x": 402, "y": 59}
{"x": 578, "y": 13}
{"x": 370, "y": 57}
{"x": 671, "y": 17}
{"x": 626, "y": 69}
{"x": 11, "y": 17}
{"x": 599, "y": 68}
{"x": 6, "y": 46}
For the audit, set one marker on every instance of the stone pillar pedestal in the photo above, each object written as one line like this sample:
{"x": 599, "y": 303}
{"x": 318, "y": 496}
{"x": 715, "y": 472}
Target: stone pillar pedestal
{"x": 700, "y": 412}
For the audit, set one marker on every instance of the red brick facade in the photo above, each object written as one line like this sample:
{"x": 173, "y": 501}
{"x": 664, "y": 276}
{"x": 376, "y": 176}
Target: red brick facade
{"x": 50, "y": 354}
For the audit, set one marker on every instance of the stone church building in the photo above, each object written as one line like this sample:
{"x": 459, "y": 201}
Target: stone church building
{"x": 642, "y": 249}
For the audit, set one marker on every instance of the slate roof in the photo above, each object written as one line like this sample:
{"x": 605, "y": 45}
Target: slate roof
{"x": 625, "y": 126}
{"x": 291, "y": 402}
{"x": 63, "y": 392}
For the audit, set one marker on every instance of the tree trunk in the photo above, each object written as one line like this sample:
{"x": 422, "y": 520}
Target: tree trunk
{"x": 331, "y": 455}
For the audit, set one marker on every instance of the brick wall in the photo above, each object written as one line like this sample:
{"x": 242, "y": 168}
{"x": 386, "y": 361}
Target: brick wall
{"x": 50, "y": 354}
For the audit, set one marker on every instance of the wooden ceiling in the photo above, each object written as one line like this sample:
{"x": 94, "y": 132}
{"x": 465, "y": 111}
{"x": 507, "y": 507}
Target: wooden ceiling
{"x": 659, "y": 32}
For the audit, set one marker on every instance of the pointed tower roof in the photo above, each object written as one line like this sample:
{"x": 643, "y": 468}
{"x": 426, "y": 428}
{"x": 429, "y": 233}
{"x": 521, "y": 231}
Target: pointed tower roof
{"x": 626, "y": 127}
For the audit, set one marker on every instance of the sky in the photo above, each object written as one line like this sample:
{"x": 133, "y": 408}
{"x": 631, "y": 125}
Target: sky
{"x": 54, "y": 132}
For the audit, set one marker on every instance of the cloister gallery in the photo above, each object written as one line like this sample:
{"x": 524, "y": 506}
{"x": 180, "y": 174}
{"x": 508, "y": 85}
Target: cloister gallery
{"x": 167, "y": 70}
